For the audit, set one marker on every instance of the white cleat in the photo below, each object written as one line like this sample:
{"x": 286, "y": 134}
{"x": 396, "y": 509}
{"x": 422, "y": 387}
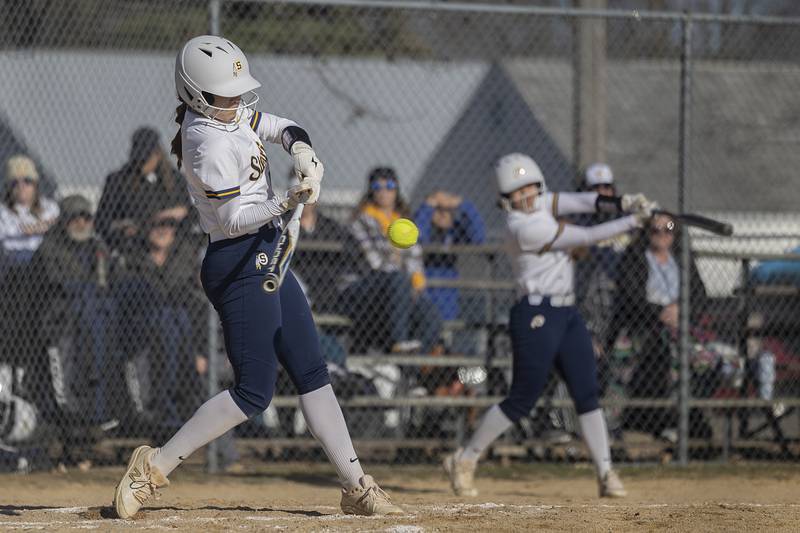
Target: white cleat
{"x": 610, "y": 486}
{"x": 461, "y": 473}
{"x": 139, "y": 483}
{"x": 368, "y": 499}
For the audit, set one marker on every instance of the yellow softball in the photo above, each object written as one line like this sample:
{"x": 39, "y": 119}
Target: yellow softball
{"x": 403, "y": 233}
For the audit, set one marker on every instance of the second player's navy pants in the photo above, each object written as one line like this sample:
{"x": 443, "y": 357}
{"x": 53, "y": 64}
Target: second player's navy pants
{"x": 543, "y": 336}
{"x": 261, "y": 329}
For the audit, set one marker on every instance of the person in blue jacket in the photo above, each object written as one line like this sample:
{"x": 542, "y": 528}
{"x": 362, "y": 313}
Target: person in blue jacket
{"x": 447, "y": 219}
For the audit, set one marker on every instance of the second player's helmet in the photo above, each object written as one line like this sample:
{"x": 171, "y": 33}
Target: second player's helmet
{"x": 514, "y": 171}
{"x": 208, "y": 65}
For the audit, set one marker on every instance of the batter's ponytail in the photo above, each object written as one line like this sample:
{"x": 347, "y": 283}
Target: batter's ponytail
{"x": 177, "y": 142}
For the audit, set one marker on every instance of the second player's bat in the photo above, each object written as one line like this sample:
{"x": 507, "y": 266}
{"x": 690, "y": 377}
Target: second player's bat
{"x": 282, "y": 255}
{"x": 699, "y": 221}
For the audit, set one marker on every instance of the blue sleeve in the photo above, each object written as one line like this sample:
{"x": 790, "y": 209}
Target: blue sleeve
{"x": 474, "y": 229}
{"x": 423, "y": 218}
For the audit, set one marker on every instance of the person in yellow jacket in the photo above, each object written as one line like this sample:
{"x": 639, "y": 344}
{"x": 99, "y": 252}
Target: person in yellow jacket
{"x": 387, "y": 302}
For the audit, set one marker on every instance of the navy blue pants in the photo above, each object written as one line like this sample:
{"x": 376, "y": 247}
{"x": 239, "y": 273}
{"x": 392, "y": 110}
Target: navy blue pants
{"x": 543, "y": 336}
{"x": 261, "y": 329}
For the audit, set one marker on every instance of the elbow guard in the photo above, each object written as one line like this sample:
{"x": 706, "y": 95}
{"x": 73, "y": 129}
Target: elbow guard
{"x": 608, "y": 204}
{"x": 291, "y": 135}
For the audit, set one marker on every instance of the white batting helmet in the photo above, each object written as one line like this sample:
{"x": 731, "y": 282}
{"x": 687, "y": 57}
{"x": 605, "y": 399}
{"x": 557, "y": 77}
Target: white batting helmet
{"x": 209, "y": 65}
{"x": 514, "y": 171}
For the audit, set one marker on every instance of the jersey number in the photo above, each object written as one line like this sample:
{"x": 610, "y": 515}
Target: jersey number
{"x": 258, "y": 163}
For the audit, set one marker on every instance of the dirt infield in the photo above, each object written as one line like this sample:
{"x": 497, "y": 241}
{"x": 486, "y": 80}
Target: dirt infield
{"x": 301, "y": 497}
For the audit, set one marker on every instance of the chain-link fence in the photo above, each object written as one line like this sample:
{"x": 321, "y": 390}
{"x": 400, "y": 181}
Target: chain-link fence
{"x": 108, "y": 340}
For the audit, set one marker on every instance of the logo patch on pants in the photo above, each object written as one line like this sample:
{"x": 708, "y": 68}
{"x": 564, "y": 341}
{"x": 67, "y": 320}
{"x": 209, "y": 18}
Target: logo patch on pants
{"x": 537, "y": 322}
{"x": 262, "y": 259}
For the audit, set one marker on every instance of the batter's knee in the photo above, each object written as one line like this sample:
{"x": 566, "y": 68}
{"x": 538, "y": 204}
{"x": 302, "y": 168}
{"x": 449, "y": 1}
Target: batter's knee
{"x": 312, "y": 379}
{"x": 586, "y": 401}
{"x": 251, "y": 400}
{"x": 517, "y": 406}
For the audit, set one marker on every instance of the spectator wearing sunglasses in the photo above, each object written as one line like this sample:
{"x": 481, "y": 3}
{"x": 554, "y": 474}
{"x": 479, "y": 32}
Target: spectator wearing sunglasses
{"x": 25, "y": 215}
{"x": 389, "y": 294}
{"x": 647, "y": 307}
{"x": 165, "y": 306}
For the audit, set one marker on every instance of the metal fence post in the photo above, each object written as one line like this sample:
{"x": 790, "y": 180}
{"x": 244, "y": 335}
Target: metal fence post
{"x": 592, "y": 80}
{"x": 212, "y": 450}
{"x": 683, "y": 170}
{"x": 213, "y": 17}
{"x": 212, "y": 455}
{"x": 576, "y": 99}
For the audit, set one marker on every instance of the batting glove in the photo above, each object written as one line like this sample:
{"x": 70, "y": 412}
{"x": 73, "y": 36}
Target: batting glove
{"x": 298, "y": 194}
{"x": 630, "y": 203}
{"x": 643, "y": 212}
{"x": 308, "y": 169}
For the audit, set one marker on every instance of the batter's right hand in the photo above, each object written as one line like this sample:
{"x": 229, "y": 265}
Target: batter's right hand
{"x": 639, "y": 206}
{"x": 630, "y": 203}
{"x": 298, "y": 194}
{"x": 645, "y": 212}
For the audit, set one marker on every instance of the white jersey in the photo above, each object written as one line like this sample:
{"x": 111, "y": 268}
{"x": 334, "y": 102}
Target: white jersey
{"x": 228, "y": 172}
{"x": 539, "y": 244}
{"x": 13, "y": 223}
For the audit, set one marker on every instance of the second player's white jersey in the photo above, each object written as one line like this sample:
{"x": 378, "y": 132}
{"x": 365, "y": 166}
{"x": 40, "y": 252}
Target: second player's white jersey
{"x": 540, "y": 244}
{"x": 538, "y": 270}
{"x": 227, "y": 170}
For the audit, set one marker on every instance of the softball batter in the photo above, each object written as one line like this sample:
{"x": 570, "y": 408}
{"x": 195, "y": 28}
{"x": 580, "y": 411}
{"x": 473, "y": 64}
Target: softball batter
{"x": 545, "y": 326}
{"x": 220, "y": 146}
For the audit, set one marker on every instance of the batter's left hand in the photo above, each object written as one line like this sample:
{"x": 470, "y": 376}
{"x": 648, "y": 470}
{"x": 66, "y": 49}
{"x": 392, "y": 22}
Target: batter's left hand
{"x": 632, "y": 203}
{"x": 308, "y": 168}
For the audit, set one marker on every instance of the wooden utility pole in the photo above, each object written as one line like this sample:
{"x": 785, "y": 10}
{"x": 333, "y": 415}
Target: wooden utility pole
{"x": 591, "y": 93}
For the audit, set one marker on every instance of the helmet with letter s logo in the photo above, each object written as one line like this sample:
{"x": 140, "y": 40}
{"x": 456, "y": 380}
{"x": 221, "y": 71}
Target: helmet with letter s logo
{"x": 209, "y": 66}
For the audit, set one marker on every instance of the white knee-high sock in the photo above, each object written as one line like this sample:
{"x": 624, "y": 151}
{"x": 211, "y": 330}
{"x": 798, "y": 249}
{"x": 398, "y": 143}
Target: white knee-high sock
{"x": 212, "y": 419}
{"x": 493, "y": 424}
{"x": 326, "y": 422}
{"x": 595, "y": 434}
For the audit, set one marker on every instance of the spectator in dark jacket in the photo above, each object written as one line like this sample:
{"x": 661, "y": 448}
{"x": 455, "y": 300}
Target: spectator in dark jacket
{"x": 146, "y": 179}
{"x": 71, "y": 318}
{"x": 168, "y": 314}
{"x": 447, "y": 219}
{"x": 647, "y": 306}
